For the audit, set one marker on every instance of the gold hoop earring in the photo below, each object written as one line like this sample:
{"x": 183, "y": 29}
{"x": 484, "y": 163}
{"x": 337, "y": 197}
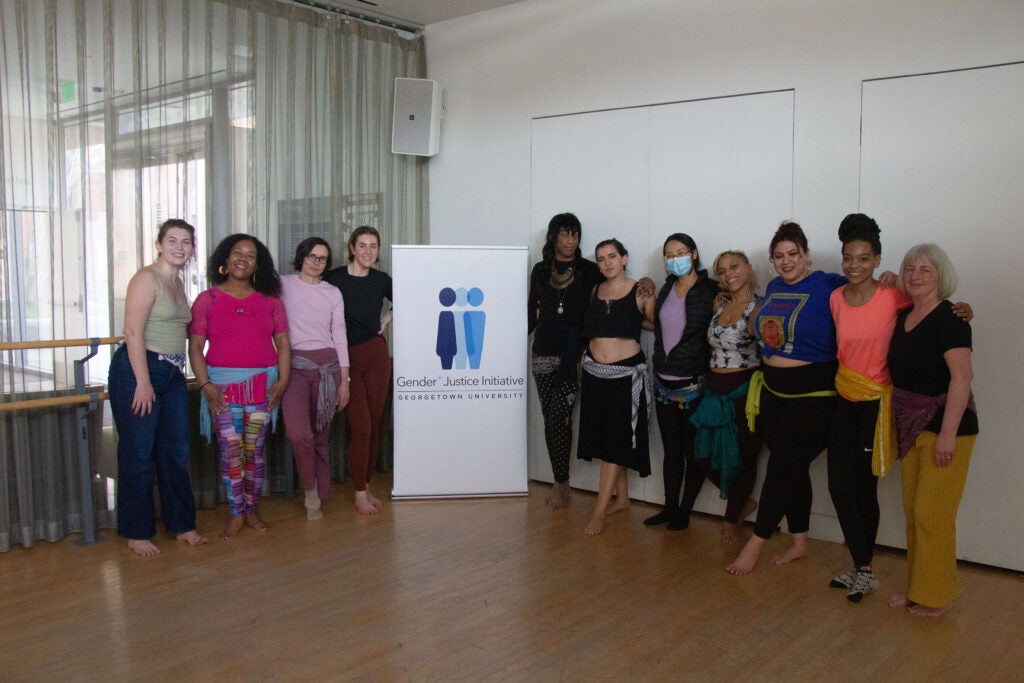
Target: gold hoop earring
{"x": 252, "y": 279}
{"x": 223, "y": 270}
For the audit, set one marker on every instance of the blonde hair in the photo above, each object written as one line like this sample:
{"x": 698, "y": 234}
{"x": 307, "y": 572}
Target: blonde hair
{"x": 937, "y": 256}
{"x": 739, "y": 253}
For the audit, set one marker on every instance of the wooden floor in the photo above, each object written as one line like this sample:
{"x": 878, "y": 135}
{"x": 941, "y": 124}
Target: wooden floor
{"x": 468, "y": 590}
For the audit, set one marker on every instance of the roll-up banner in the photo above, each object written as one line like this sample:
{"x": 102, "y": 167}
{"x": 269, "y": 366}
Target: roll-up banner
{"x": 459, "y": 336}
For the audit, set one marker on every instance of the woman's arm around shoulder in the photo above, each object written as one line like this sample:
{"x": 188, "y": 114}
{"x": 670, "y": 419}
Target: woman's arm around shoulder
{"x": 645, "y": 303}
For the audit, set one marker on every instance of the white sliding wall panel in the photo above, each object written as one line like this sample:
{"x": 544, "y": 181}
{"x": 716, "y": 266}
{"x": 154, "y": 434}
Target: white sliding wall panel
{"x": 943, "y": 161}
{"x": 597, "y": 166}
{"x": 719, "y": 169}
{"x": 721, "y": 172}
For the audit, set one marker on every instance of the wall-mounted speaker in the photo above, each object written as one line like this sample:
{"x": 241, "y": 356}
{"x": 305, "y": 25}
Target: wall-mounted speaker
{"x": 416, "y": 125}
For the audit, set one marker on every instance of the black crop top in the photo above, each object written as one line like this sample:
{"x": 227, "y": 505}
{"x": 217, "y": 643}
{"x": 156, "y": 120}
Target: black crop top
{"x": 618, "y": 318}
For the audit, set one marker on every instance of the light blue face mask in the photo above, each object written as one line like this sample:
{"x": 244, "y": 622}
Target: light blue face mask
{"x": 679, "y": 266}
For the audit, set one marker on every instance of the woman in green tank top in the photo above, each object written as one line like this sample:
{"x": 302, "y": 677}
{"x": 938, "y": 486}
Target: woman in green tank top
{"x": 149, "y": 400}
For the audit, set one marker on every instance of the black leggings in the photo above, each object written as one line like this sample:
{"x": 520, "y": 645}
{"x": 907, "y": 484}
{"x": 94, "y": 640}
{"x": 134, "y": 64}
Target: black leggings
{"x": 853, "y": 486}
{"x": 677, "y": 437}
{"x": 796, "y": 431}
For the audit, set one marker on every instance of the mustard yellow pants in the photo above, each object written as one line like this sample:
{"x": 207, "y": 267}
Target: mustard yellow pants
{"x": 931, "y": 497}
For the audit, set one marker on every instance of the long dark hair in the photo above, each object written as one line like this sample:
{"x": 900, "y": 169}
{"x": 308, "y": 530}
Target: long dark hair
{"x": 266, "y": 281}
{"x": 558, "y": 223}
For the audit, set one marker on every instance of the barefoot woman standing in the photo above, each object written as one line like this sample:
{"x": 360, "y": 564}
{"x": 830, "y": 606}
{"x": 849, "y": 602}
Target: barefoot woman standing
{"x": 364, "y": 289}
{"x": 244, "y": 372}
{"x": 613, "y": 404}
{"x": 798, "y": 347}
{"x": 149, "y": 401}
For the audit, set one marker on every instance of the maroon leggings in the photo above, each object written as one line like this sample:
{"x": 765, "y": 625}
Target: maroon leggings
{"x": 298, "y": 407}
{"x": 370, "y": 372}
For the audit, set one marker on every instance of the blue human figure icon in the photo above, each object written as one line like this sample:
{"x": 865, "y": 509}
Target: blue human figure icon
{"x": 474, "y": 322}
{"x": 461, "y": 357}
{"x": 447, "y": 345}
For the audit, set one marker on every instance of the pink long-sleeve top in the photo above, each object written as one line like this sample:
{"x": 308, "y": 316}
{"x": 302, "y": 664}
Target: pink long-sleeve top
{"x": 316, "y": 316}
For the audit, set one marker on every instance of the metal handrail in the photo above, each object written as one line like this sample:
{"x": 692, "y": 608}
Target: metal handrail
{"x": 89, "y": 535}
{"x": 57, "y": 343}
{"x": 73, "y": 399}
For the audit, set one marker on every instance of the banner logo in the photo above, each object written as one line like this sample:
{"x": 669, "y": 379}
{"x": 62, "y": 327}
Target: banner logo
{"x": 460, "y": 334}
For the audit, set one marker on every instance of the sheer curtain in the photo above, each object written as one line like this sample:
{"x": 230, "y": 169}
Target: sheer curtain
{"x": 236, "y": 115}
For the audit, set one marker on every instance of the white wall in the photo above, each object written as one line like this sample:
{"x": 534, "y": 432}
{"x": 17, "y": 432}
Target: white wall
{"x": 503, "y": 68}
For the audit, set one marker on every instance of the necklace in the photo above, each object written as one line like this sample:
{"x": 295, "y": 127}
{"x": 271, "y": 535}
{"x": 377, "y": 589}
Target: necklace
{"x": 560, "y": 283}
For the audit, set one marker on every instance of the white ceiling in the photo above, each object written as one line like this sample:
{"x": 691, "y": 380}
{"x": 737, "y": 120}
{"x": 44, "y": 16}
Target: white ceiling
{"x": 418, "y": 12}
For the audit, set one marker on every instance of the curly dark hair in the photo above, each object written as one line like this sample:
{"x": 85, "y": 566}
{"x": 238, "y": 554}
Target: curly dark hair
{"x": 789, "y": 232}
{"x": 305, "y": 248}
{"x": 858, "y": 227}
{"x": 266, "y": 281}
{"x": 558, "y": 223}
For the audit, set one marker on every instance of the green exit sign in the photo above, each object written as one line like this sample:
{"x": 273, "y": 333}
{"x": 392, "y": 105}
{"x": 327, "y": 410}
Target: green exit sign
{"x": 67, "y": 92}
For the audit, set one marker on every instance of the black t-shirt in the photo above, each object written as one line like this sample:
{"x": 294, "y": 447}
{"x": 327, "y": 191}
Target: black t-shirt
{"x": 364, "y": 299}
{"x": 916, "y": 361}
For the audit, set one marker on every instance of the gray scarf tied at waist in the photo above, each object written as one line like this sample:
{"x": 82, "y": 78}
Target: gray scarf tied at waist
{"x": 638, "y": 374}
{"x": 327, "y": 392}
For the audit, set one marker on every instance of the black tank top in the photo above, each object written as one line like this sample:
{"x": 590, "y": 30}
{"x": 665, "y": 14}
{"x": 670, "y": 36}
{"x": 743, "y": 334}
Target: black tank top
{"x": 619, "y": 318}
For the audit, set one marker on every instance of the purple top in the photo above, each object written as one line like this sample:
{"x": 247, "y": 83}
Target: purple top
{"x": 672, "y": 317}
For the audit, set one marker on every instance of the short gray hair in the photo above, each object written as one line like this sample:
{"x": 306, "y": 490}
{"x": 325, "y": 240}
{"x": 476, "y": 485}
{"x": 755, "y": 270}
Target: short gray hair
{"x": 937, "y": 256}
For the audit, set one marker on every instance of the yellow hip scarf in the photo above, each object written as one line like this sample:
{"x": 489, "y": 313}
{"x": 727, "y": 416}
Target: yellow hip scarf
{"x": 757, "y": 383}
{"x": 854, "y": 386}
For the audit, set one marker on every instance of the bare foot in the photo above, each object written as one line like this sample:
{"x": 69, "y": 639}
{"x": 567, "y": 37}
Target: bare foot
{"x": 794, "y": 552}
{"x": 143, "y": 547}
{"x": 233, "y": 527}
{"x": 730, "y": 532}
{"x": 595, "y": 525}
{"x": 253, "y": 520}
{"x": 364, "y": 505}
{"x": 374, "y": 500}
{"x": 748, "y": 557}
{"x": 618, "y": 505}
{"x": 922, "y": 611}
{"x": 899, "y": 600}
{"x": 559, "y": 496}
{"x": 193, "y": 538}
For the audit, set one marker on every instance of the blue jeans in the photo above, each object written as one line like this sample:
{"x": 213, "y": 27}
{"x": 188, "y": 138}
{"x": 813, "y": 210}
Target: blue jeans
{"x": 157, "y": 443}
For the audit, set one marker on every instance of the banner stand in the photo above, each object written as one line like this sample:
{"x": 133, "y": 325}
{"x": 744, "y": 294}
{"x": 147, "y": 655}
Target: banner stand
{"x": 460, "y": 369}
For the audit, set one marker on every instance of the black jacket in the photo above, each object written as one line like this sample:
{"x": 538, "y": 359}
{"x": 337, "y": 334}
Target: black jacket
{"x": 690, "y": 357}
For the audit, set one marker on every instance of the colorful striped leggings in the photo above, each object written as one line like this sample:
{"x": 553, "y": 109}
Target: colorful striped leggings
{"x": 241, "y": 433}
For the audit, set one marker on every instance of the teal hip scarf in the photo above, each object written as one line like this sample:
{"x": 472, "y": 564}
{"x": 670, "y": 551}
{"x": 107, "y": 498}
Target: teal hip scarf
{"x": 717, "y": 435}
{"x": 223, "y": 377}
